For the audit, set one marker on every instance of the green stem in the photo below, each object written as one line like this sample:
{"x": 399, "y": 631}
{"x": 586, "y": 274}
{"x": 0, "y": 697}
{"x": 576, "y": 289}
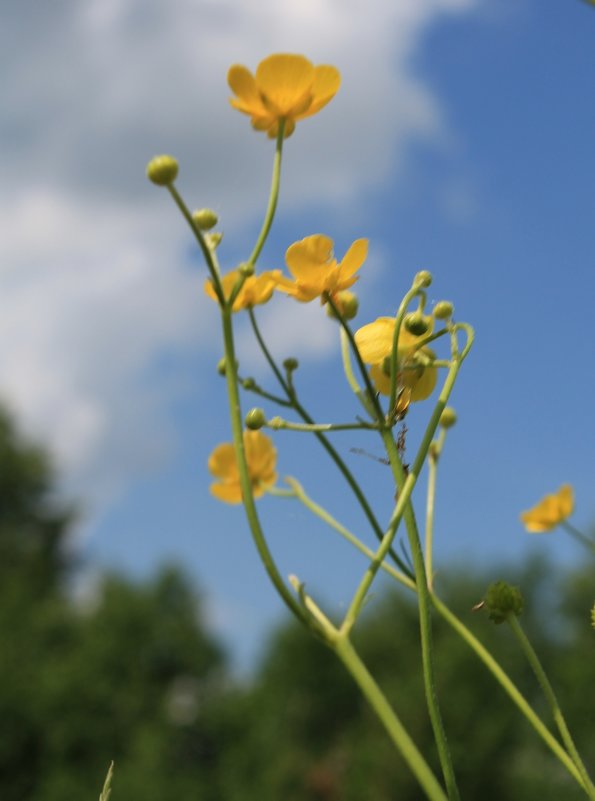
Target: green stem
{"x": 396, "y": 731}
{"x": 394, "y": 355}
{"x": 277, "y": 424}
{"x": 329, "y": 448}
{"x": 433, "y": 457}
{"x": 466, "y": 635}
{"x": 273, "y": 196}
{"x": 206, "y": 250}
{"x": 578, "y": 535}
{"x": 550, "y": 695}
{"x": 245, "y": 483}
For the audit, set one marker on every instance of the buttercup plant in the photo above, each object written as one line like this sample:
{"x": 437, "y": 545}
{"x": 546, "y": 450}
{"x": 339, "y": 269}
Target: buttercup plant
{"x": 405, "y": 362}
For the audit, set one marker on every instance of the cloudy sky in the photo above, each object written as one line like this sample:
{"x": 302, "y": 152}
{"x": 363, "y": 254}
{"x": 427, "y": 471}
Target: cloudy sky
{"x": 461, "y": 142}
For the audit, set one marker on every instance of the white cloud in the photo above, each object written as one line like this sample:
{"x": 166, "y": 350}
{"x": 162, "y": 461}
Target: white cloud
{"x": 93, "y": 286}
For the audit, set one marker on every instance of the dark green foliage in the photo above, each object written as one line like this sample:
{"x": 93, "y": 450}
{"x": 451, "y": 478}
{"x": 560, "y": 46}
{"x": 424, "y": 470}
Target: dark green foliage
{"x": 133, "y": 676}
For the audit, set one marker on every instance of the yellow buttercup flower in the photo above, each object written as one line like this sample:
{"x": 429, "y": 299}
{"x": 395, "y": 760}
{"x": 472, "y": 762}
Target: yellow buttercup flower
{"x": 315, "y": 269}
{"x": 375, "y": 343}
{"x": 285, "y": 86}
{"x": 261, "y": 457}
{"x": 255, "y": 290}
{"x": 550, "y": 511}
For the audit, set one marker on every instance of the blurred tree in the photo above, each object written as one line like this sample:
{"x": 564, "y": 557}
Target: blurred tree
{"x": 132, "y": 676}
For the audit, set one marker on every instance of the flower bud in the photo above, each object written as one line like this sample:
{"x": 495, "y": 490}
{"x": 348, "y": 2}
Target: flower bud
{"x": 291, "y": 364}
{"x": 443, "y": 310}
{"x": 248, "y": 383}
{"x": 162, "y": 170}
{"x": 503, "y": 600}
{"x": 423, "y": 278}
{"x": 255, "y": 419}
{"x": 246, "y": 269}
{"x": 213, "y": 239}
{"x": 222, "y": 366}
{"x": 416, "y": 323}
{"x": 205, "y": 219}
{"x": 448, "y": 417}
{"x": 347, "y": 303}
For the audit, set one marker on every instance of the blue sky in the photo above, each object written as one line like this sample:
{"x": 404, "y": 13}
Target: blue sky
{"x": 461, "y": 142}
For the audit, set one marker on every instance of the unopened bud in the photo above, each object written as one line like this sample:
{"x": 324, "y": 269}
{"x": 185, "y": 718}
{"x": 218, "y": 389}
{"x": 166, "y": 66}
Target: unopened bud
{"x": 448, "y": 417}
{"x": 246, "y": 269}
{"x": 222, "y": 366}
{"x": 443, "y": 310}
{"x": 162, "y": 170}
{"x": 416, "y": 323}
{"x": 347, "y": 303}
{"x": 255, "y": 419}
{"x": 423, "y": 278}
{"x": 205, "y": 219}
{"x": 213, "y": 239}
{"x": 291, "y": 364}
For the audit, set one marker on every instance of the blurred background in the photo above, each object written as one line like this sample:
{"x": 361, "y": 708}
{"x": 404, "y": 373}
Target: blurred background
{"x": 461, "y": 142}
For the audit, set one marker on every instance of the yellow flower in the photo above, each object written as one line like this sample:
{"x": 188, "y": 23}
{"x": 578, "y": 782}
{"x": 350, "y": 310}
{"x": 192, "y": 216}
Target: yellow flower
{"x": 285, "y": 87}
{"x": 256, "y": 289}
{"x": 550, "y": 511}
{"x": 261, "y": 457}
{"x": 315, "y": 269}
{"x": 375, "y": 343}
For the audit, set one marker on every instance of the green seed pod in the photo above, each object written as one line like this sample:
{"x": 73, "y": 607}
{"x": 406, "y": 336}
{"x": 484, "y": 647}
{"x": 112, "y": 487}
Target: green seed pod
{"x": 162, "y": 170}
{"x": 443, "y": 310}
{"x": 255, "y": 419}
{"x": 423, "y": 278}
{"x": 205, "y": 219}
{"x": 416, "y": 323}
{"x": 503, "y": 600}
{"x": 448, "y": 417}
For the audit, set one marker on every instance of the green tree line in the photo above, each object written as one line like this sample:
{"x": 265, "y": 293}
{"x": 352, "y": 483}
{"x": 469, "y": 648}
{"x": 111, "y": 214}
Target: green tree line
{"x": 135, "y": 676}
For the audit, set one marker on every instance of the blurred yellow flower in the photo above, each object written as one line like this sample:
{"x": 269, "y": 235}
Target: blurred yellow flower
{"x": 256, "y": 289}
{"x": 315, "y": 270}
{"x": 261, "y": 457}
{"x": 550, "y": 511}
{"x": 285, "y": 87}
{"x": 375, "y": 343}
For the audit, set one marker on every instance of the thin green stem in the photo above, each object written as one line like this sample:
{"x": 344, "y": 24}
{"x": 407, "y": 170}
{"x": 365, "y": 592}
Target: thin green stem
{"x": 297, "y": 491}
{"x": 245, "y": 483}
{"x": 277, "y": 424}
{"x": 326, "y": 444}
{"x": 396, "y": 731}
{"x": 588, "y": 542}
{"x": 550, "y": 695}
{"x": 209, "y": 257}
{"x": 394, "y": 355}
{"x": 273, "y": 196}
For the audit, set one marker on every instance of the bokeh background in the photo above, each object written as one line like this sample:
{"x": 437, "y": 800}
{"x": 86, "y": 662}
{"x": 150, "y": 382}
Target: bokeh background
{"x": 461, "y": 142}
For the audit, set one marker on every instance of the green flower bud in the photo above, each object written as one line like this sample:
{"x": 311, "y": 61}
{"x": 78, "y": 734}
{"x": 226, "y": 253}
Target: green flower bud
{"x": 416, "y": 323}
{"x": 291, "y": 364}
{"x": 346, "y": 302}
{"x": 448, "y": 417}
{"x": 213, "y": 240}
{"x": 205, "y": 219}
{"x": 222, "y": 366}
{"x": 503, "y": 600}
{"x": 246, "y": 269}
{"x": 248, "y": 383}
{"x": 255, "y": 419}
{"x": 423, "y": 278}
{"x": 443, "y": 310}
{"x": 162, "y": 170}
{"x": 593, "y": 616}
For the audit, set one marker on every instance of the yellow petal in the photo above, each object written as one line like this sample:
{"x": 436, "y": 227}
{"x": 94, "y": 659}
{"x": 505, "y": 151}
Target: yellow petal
{"x": 285, "y": 82}
{"x": 375, "y": 340}
{"x": 566, "y": 501}
{"x": 354, "y": 258}
{"x": 327, "y": 81}
{"x": 243, "y": 85}
{"x": 228, "y": 493}
{"x": 549, "y": 511}
{"x": 222, "y": 462}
